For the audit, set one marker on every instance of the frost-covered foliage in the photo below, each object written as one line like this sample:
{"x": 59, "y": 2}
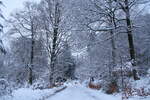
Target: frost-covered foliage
{"x": 66, "y": 64}
{"x": 54, "y": 41}
{"x": 96, "y": 53}
{"x": 143, "y": 48}
{"x": 19, "y": 57}
{"x": 5, "y": 87}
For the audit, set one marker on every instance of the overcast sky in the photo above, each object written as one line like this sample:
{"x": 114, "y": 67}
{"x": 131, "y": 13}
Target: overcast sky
{"x": 12, "y": 5}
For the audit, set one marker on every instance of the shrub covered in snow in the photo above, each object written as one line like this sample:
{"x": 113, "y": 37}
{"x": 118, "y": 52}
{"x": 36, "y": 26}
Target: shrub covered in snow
{"x": 4, "y": 87}
{"x": 40, "y": 84}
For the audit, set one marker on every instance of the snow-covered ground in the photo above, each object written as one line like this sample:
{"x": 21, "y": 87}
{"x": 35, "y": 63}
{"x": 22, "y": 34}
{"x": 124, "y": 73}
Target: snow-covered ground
{"x": 78, "y": 92}
{"x": 74, "y": 91}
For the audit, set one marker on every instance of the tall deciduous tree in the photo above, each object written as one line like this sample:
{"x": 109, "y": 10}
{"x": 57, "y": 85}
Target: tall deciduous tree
{"x": 26, "y": 24}
{"x": 54, "y": 21}
{"x": 126, "y": 6}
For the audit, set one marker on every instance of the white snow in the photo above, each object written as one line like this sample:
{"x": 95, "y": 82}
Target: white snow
{"x": 79, "y": 92}
{"x": 74, "y": 91}
{"x": 143, "y": 83}
{"x": 24, "y": 94}
{"x": 29, "y": 94}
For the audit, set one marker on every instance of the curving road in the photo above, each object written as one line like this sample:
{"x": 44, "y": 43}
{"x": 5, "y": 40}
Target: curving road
{"x": 81, "y": 93}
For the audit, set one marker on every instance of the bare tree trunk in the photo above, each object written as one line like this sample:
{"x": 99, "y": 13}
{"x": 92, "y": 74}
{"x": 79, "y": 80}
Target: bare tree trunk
{"x": 112, "y": 24}
{"x": 53, "y": 57}
{"x": 30, "y": 76}
{"x": 31, "y": 55}
{"x": 54, "y": 44}
{"x": 113, "y": 48}
{"x": 130, "y": 38}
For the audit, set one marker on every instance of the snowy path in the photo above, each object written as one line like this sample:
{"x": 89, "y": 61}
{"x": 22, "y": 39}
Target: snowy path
{"x": 81, "y": 93}
{"x": 72, "y": 92}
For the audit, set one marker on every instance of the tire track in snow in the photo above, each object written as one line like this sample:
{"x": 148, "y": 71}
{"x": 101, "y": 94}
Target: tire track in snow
{"x": 74, "y": 93}
{"x": 55, "y": 93}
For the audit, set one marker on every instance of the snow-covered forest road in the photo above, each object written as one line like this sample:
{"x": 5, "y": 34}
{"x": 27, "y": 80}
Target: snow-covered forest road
{"x": 69, "y": 91}
{"x": 81, "y": 93}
